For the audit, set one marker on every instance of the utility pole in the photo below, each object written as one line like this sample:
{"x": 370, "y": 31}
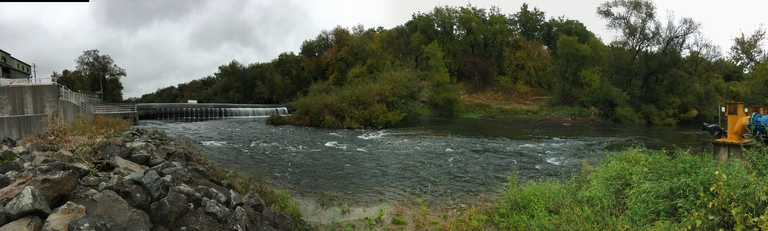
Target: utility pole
{"x": 34, "y": 70}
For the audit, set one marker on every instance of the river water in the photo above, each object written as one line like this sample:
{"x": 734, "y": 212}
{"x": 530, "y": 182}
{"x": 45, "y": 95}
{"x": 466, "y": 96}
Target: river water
{"x": 456, "y": 158}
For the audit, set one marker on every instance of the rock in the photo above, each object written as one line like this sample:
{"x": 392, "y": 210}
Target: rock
{"x": 63, "y": 156}
{"x": 107, "y": 152}
{"x": 109, "y": 203}
{"x": 95, "y": 222}
{"x": 235, "y": 199}
{"x": 5, "y": 181}
{"x": 80, "y": 168}
{"x": 3, "y": 217}
{"x": 278, "y": 220}
{"x": 50, "y": 167}
{"x": 253, "y": 200}
{"x": 8, "y": 142}
{"x": 29, "y": 202}
{"x": 135, "y": 195}
{"x": 192, "y": 196}
{"x": 179, "y": 156}
{"x": 124, "y": 167}
{"x": 91, "y": 192}
{"x": 138, "y": 145}
{"x": 265, "y": 226}
{"x": 155, "y": 185}
{"x": 62, "y": 216}
{"x": 92, "y": 181}
{"x": 180, "y": 164}
{"x": 110, "y": 185}
{"x": 30, "y": 223}
{"x": 168, "y": 210}
{"x": 218, "y": 188}
{"x": 198, "y": 172}
{"x": 141, "y": 157}
{"x": 159, "y": 168}
{"x": 218, "y": 196}
{"x": 215, "y": 210}
{"x": 20, "y": 150}
{"x": 131, "y": 134}
{"x": 11, "y": 166}
{"x": 156, "y": 161}
{"x": 39, "y": 158}
{"x": 247, "y": 219}
{"x": 177, "y": 173}
{"x": 163, "y": 151}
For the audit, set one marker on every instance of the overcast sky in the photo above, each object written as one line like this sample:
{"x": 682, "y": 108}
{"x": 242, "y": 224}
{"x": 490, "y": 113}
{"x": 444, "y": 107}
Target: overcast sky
{"x": 162, "y": 43}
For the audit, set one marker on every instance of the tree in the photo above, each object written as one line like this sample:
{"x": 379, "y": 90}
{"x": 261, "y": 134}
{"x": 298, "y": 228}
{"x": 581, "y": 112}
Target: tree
{"x": 635, "y": 19}
{"x": 747, "y": 51}
{"x": 101, "y": 74}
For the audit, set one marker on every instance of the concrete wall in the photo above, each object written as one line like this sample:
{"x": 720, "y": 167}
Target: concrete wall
{"x": 17, "y": 127}
{"x": 28, "y": 100}
{"x": 23, "y": 108}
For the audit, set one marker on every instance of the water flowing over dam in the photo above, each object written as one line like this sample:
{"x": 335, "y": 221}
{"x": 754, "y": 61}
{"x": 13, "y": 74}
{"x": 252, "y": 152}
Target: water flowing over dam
{"x": 208, "y": 110}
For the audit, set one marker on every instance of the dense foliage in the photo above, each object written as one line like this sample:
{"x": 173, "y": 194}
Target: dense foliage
{"x": 641, "y": 189}
{"x": 94, "y": 73}
{"x": 658, "y": 71}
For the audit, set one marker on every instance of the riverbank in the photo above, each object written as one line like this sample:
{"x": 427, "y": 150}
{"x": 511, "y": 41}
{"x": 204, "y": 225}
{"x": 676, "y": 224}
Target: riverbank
{"x": 526, "y": 108}
{"x": 98, "y": 173}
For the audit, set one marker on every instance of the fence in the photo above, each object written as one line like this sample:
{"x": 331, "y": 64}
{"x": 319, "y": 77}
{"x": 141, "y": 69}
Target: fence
{"x": 92, "y": 104}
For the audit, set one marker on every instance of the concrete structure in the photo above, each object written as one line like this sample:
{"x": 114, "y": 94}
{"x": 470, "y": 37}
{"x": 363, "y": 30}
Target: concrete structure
{"x": 24, "y": 109}
{"x": 12, "y": 68}
{"x": 208, "y": 110}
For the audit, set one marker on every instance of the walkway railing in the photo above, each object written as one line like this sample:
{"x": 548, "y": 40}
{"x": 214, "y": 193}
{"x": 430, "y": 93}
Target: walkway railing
{"x": 92, "y": 104}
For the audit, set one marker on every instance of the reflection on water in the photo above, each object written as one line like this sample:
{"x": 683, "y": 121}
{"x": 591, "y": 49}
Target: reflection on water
{"x": 434, "y": 158}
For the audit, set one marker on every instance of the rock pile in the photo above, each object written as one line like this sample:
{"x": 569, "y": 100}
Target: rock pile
{"x": 139, "y": 181}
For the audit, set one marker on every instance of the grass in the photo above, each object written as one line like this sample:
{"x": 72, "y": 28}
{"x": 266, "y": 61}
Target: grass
{"x": 82, "y": 137}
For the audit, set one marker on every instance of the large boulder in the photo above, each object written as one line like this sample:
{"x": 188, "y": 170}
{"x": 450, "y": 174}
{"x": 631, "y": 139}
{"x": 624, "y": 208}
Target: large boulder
{"x": 141, "y": 157}
{"x": 3, "y": 217}
{"x": 192, "y": 196}
{"x": 62, "y": 216}
{"x": 168, "y": 210}
{"x": 235, "y": 199}
{"x": 155, "y": 185}
{"x": 253, "y": 200}
{"x": 218, "y": 196}
{"x": 135, "y": 195}
{"x": 278, "y": 220}
{"x": 80, "y": 168}
{"x": 177, "y": 173}
{"x": 247, "y": 219}
{"x": 215, "y": 210}
{"x": 63, "y": 156}
{"x": 29, "y": 202}
{"x": 109, "y": 203}
{"x": 107, "y": 152}
{"x": 125, "y": 167}
{"x": 95, "y": 222}
{"x": 29, "y": 223}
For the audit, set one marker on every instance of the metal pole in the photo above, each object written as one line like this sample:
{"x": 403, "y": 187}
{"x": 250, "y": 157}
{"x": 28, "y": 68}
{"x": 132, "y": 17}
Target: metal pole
{"x": 718, "y": 115}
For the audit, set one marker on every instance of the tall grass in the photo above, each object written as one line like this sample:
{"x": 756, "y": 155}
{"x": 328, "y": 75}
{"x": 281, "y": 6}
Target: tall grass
{"x": 82, "y": 136}
{"x": 642, "y": 189}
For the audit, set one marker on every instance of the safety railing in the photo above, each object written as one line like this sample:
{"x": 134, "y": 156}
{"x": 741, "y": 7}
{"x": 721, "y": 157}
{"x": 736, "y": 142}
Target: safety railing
{"x": 91, "y": 104}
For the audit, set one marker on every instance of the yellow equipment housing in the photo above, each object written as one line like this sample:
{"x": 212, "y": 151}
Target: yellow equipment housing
{"x": 737, "y": 124}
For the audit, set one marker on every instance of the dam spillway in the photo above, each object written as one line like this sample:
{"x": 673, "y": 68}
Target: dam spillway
{"x": 160, "y": 111}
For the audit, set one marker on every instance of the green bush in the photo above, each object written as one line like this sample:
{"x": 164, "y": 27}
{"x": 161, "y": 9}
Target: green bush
{"x": 387, "y": 99}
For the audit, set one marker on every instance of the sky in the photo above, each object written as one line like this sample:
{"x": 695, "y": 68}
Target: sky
{"x": 162, "y": 43}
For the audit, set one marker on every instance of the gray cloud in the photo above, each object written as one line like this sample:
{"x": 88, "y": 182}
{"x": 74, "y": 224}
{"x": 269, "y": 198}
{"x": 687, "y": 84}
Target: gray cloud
{"x": 135, "y": 14}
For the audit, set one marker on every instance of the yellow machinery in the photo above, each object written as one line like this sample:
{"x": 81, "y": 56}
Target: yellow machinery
{"x": 737, "y": 124}
{"x": 728, "y": 144}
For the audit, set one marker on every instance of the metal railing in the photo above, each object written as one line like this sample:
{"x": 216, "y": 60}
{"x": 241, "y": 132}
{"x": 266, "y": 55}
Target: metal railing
{"x": 91, "y": 104}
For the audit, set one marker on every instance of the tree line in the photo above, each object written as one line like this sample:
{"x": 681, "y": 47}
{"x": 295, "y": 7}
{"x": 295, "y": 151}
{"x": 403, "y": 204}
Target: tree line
{"x": 657, "y": 71}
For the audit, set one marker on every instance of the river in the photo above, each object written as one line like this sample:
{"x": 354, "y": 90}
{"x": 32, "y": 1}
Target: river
{"x": 456, "y": 158}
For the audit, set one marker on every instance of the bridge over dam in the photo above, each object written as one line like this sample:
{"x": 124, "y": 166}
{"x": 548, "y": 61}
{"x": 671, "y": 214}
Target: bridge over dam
{"x": 158, "y": 111}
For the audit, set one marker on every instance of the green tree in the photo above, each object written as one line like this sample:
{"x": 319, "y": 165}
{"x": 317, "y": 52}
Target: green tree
{"x": 101, "y": 74}
{"x": 748, "y": 51}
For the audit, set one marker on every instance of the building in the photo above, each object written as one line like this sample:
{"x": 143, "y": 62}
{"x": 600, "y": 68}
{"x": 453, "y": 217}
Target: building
{"x": 13, "y": 68}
